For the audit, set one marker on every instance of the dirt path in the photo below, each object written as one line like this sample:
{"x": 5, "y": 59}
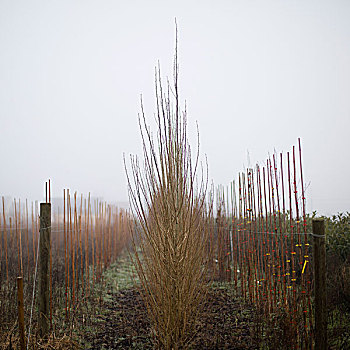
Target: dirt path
{"x": 226, "y": 323}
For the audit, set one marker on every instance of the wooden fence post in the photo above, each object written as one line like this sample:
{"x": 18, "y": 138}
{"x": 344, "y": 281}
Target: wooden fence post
{"x": 44, "y": 250}
{"x": 21, "y": 312}
{"x": 320, "y": 284}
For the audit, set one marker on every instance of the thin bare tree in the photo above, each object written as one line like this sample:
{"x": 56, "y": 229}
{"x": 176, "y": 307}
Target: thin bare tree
{"x": 168, "y": 197}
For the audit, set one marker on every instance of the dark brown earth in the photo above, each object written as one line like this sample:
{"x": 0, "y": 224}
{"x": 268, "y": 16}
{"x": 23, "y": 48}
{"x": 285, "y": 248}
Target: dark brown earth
{"x": 227, "y": 323}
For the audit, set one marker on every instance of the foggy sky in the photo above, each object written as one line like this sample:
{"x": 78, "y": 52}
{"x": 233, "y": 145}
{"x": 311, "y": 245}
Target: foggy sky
{"x": 256, "y": 75}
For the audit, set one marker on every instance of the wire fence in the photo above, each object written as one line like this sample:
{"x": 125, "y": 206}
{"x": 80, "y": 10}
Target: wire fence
{"x": 85, "y": 239}
{"x": 261, "y": 243}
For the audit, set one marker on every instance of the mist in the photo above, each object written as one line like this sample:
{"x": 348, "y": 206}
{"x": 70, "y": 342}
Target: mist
{"x": 255, "y": 76}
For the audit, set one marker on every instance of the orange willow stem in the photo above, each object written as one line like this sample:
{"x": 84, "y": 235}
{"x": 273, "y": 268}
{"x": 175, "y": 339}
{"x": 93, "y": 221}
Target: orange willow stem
{"x": 58, "y": 236}
{"x": 73, "y": 247}
{"x": 281, "y": 272}
{"x": 284, "y": 230}
{"x": 93, "y": 238}
{"x": 1, "y": 248}
{"x": 80, "y": 246}
{"x": 69, "y": 252}
{"x": 276, "y": 251}
{"x": 65, "y": 252}
{"x": 87, "y": 245}
{"x": 100, "y": 255}
{"x": 109, "y": 237}
{"x": 105, "y": 237}
{"x": 292, "y": 285}
{"x": 266, "y": 248}
{"x": 33, "y": 233}
{"x": 12, "y": 239}
{"x": 263, "y": 262}
{"x": 5, "y": 236}
{"x": 20, "y": 236}
{"x": 256, "y": 255}
{"x": 86, "y": 219}
{"x": 115, "y": 232}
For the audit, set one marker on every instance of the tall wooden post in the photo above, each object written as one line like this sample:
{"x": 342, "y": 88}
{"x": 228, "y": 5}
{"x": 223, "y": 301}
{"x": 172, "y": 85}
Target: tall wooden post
{"x": 45, "y": 247}
{"x": 320, "y": 284}
{"x": 21, "y": 312}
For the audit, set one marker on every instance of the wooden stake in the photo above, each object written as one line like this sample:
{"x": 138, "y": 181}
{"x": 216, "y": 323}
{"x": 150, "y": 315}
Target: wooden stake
{"x": 320, "y": 284}
{"x": 50, "y": 287}
{"x": 21, "y": 312}
{"x": 44, "y": 283}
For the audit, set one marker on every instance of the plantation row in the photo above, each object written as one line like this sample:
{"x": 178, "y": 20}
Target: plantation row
{"x": 252, "y": 241}
{"x": 255, "y": 235}
{"x": 263, "y": 225}
{"x": 85, "y": 239}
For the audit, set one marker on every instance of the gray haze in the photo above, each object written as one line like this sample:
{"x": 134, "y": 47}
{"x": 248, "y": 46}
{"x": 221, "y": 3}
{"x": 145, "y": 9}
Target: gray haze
{"x": 256, "y": 75}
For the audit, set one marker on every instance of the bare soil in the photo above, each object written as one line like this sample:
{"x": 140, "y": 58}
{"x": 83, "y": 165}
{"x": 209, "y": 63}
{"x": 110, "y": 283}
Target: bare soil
{"x": 226, "y": 323}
